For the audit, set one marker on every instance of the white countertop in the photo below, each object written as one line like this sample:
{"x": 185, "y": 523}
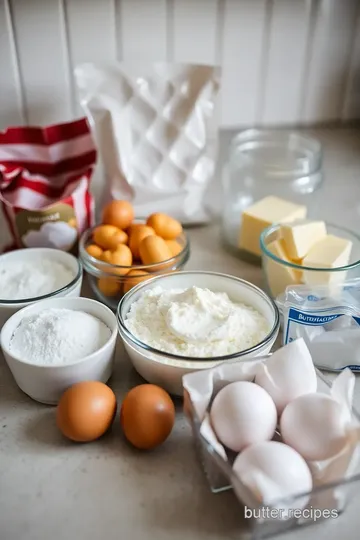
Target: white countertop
{"x": 51, "y": 488}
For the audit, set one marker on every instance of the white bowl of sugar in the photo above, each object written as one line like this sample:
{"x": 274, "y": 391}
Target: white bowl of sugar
{"x": 55, "y": 343}
{"x": 33, "y": 274}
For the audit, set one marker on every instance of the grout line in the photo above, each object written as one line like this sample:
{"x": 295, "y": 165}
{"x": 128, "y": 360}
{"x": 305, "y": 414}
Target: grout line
{"x": 170, "y": 46}
{"x": 313, "y": 11}
{"x": 219, "y": 52}
{"x": 264, "y": 61}
{"x": 351, "y": 66}
{"x": 68, "y": 56}
{"x": 117, "y": 30}
{"x": 20, "y": 84}
{"x": 219, "y": 38}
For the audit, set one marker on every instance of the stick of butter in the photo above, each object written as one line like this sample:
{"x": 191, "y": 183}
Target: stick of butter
{"x": 329, "y": 252}
{"x": 299, "y": 238}
{"x": 278, "y": 275}
{"x": 263, "y": 214}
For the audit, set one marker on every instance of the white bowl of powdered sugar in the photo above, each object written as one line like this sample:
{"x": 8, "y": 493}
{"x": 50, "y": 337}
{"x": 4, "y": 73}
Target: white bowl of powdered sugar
{"x": 33, "y": 274}
{"x": 55, "y": 343}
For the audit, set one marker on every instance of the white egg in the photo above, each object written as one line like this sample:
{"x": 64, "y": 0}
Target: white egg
{"x": 288, "y": 374}
{"x": 243, "y": 413}
{"x": 315, "y": 426}
{"x": 273, "y": 471}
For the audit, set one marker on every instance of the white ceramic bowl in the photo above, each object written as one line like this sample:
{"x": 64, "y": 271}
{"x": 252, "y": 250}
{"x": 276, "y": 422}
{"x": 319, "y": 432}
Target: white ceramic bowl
{"x": 167, "y": 370}
{"x": 8, "y": 307}
{"x": 47, "y": 383}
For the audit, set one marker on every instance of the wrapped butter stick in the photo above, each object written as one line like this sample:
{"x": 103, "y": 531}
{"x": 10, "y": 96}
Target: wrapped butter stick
{"x": 327, "y": 317}
{"x": 156, "y": 130}
{"x": 45, "y": 175}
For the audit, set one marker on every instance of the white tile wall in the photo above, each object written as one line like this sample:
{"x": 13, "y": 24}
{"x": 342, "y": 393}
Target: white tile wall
{"x": 284, "y": 61}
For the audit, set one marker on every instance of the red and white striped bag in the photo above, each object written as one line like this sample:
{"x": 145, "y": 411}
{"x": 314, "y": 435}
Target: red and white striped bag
{"x": 45, "y": 175}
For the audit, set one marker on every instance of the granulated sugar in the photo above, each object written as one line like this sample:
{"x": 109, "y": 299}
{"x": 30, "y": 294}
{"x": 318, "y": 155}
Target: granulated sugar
{"x": 58, "y": 337}
{"x": 31, "y": 279}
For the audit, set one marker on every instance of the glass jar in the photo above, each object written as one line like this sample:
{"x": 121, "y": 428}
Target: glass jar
{"x": 263, "y": 163}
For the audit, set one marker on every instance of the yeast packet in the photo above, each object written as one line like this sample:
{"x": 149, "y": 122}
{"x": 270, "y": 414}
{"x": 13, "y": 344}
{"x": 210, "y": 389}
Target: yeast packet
{"x": 327, "y": 317}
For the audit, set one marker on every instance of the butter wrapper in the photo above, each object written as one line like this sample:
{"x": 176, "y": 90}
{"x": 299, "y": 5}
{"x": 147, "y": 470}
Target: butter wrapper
{"x": 327, "y": 317}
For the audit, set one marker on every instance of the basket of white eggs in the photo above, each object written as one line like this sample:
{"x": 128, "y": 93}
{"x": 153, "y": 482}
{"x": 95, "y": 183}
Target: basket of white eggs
{"x": 284, "y": 438}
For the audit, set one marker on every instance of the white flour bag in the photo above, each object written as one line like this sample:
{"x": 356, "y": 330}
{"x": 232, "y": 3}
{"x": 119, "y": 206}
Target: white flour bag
{"x": 156, "y": 130}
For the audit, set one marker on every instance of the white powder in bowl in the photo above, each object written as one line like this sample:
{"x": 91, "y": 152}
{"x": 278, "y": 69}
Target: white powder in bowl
{"x": 33, "y": 278}
{"x": 195, "y": 322}
{"x": 58, "y": 337}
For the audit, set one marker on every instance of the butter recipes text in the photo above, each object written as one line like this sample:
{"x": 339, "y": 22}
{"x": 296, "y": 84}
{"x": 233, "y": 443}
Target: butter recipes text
{"x": 288, "y": 513}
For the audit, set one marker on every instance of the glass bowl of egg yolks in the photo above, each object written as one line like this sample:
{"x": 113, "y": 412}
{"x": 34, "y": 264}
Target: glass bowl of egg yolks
{"x": 281, "y": 271}
{"x": 110, "y": 282}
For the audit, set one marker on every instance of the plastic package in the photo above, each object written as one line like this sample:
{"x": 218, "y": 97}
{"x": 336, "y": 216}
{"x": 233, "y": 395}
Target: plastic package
{"x": 45, "y": 174}
{"x": 327, "y": 317}
{"x": 156, "y": 131}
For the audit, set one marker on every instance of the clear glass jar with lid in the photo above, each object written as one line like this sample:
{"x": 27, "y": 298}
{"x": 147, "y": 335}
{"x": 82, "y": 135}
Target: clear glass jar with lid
{"x": 260, "y": 163}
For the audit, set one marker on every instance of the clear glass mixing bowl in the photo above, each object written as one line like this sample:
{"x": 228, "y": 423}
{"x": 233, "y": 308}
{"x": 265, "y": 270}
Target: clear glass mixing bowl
{"x": 263, "y": 163}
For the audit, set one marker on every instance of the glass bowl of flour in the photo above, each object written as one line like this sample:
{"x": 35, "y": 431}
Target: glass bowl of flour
{"x": 188, "y": 321}
{"x": 33, "y": 274}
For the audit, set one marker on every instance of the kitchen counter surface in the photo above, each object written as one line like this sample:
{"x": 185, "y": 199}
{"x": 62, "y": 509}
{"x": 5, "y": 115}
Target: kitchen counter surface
{"x": 51, "y": 488}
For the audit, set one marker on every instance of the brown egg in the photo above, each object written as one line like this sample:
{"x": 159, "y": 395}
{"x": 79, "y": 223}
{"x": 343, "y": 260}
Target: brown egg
{"x": 174, "y": 247}
{"x": 108, "y": 286}
{"x": 153, "y": 249}
{"x": 134, "y": 277}
{"x": 86, "y": 411}
{"x": 164, "y": 225}
{"x": 95, "y": 251}
{"x": 138, "y": 234}
{"x": 118, "y": 213}
{"x": 109, "y": 237}
{"x": 147, "y": 416}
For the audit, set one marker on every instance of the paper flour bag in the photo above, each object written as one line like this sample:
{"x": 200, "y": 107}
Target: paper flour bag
{"x": 44, "y": 184}
{"x": 156, "y": 131}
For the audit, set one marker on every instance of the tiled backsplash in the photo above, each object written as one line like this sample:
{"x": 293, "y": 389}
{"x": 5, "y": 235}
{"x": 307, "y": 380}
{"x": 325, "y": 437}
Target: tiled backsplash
{"x": 283, "y": 61}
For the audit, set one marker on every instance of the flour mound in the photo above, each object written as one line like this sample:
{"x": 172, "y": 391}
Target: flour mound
{"x": 58, "y": 337}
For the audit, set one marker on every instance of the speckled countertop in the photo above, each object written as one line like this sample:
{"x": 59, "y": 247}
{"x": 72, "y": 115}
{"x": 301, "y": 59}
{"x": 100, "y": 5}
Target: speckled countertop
{"x": 52, "y": 489}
